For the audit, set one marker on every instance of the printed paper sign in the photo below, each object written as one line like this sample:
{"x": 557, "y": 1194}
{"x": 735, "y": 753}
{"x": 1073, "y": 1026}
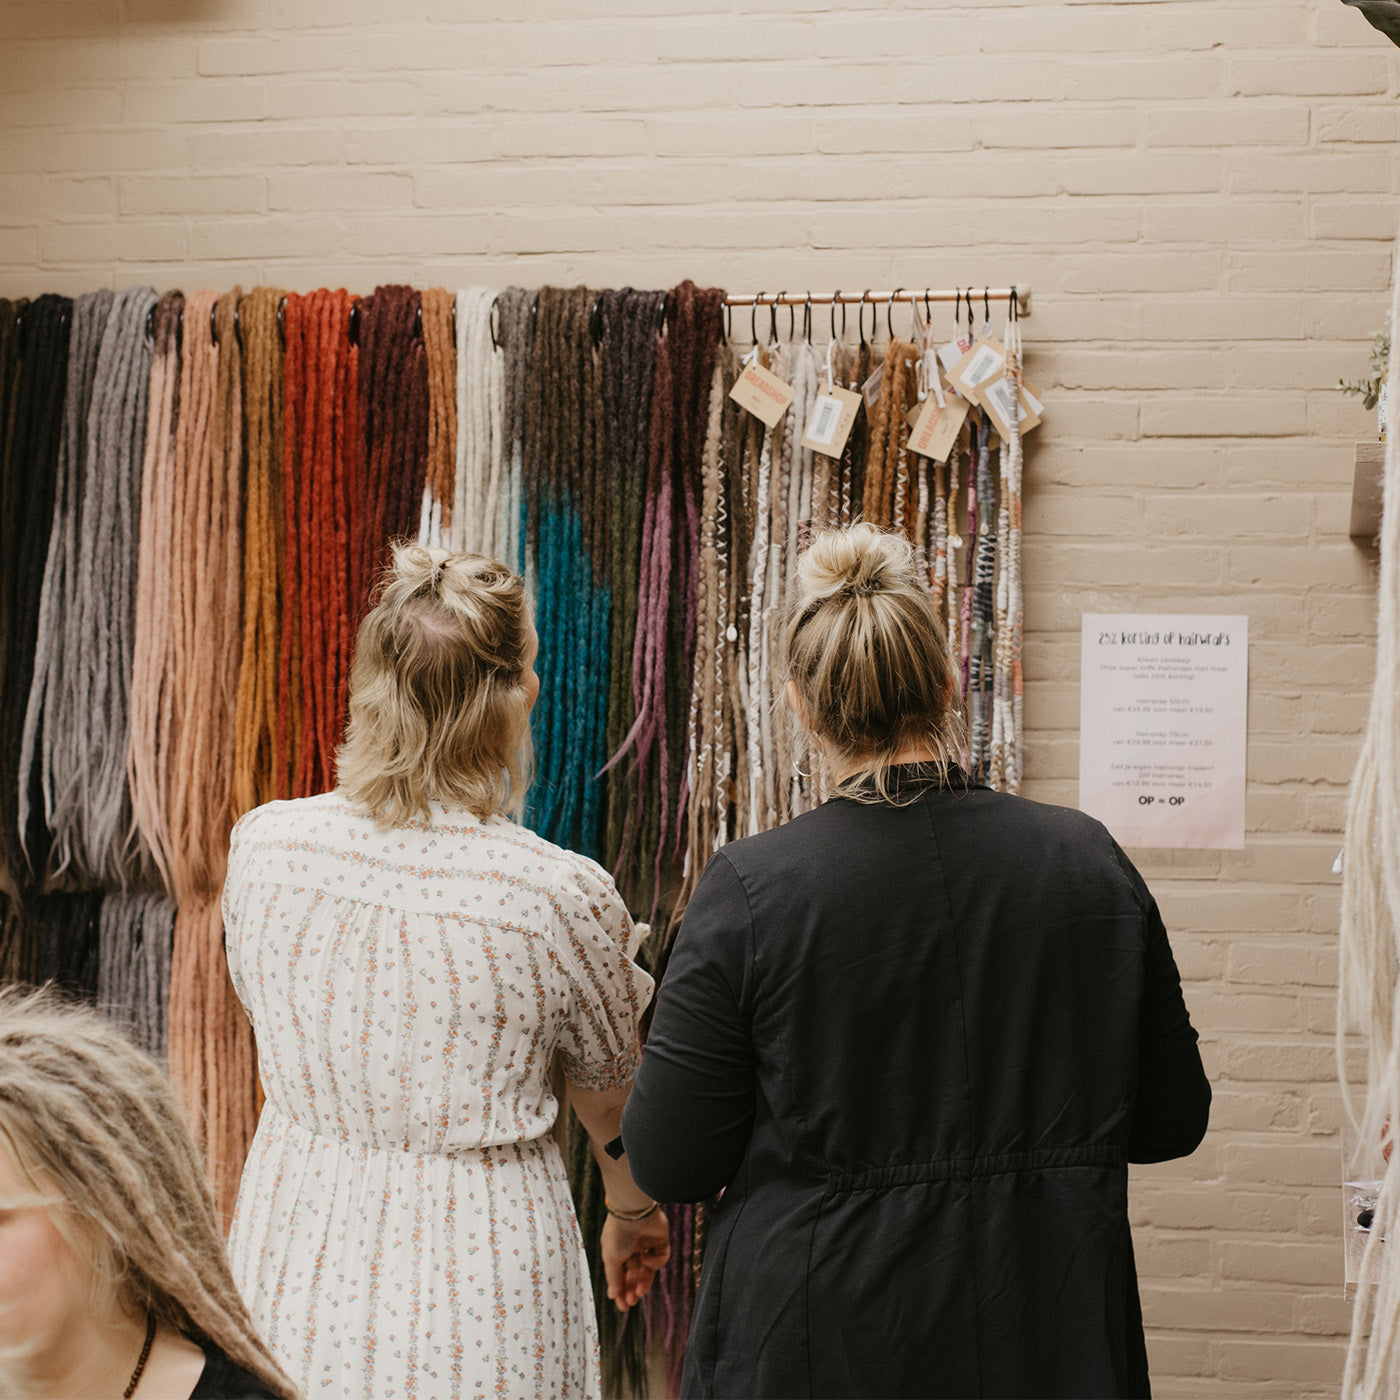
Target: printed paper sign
{"x": 1162, "y": 728}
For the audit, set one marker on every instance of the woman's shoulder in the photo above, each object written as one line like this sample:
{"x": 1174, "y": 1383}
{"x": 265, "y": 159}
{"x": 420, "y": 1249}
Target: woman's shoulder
{"x": 565, "y": 871}
{"x": 223, "y": 1379}
{"x": 291, "y": 815}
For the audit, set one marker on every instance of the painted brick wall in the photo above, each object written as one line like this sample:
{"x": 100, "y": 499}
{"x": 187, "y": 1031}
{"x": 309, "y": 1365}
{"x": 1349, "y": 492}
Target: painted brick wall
{"x": 1202, "y": 197}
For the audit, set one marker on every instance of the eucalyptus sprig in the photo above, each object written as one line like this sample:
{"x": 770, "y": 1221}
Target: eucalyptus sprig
{"x": 1370, "y": 389}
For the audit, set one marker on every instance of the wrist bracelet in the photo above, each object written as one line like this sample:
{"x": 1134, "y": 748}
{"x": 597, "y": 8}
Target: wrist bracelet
{"x": 630, "y": 1216}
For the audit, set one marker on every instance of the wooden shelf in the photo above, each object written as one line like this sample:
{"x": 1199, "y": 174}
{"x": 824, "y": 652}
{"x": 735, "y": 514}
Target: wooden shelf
{"x": 1366, "y": 492}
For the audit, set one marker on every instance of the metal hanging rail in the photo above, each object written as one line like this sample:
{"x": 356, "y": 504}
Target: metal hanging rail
{"x": 874, "y": 298}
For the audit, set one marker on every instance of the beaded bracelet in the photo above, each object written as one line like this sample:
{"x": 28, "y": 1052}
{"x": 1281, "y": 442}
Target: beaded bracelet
{"x": 630, "y": 1216}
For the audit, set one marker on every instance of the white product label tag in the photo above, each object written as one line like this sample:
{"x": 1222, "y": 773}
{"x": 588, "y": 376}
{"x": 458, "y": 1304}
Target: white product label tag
{"x": 953, "y": 351}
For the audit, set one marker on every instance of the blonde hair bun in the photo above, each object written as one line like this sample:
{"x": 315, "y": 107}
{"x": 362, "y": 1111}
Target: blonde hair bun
{"x": 868, "y": 657}
{"x": 417, "y": 565}
{"x": 858, "y": 560}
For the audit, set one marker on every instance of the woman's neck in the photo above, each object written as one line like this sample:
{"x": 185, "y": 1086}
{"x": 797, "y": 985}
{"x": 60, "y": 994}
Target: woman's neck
{"x": 849, "y": 766}
{"x": 97, "y": 1356}
{"x": 91, "y": 1357}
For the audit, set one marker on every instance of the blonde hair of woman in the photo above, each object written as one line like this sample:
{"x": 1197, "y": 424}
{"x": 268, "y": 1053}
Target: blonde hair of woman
{"x": 110, "y": 1247}
{"x": 441, "y": 690}
{"x": 869, "y": 674}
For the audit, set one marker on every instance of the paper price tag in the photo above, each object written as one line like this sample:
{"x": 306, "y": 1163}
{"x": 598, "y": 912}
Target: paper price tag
{"x": 1000, "y": 399}
{"x": 762, "y": 393}
{"x": 953, "y": 351}
{"x": 871, "y": 387}
{"x": 833, "y": 416}
{"x": 936, "y": 430}
{"x": 978, "y": 365}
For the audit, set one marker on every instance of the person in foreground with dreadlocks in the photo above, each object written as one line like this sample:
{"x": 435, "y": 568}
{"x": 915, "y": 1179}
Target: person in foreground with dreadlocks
{"x": 113, "y": 1276}
{"x": 916, "y": 1036}
{"x": 415, "y": 965}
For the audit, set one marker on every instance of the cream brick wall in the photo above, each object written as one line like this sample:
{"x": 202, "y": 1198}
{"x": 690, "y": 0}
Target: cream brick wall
{"x": 1201, "y": 195}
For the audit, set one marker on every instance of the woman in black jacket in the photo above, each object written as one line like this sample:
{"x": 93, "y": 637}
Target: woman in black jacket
{"x": 915, "y": 1036}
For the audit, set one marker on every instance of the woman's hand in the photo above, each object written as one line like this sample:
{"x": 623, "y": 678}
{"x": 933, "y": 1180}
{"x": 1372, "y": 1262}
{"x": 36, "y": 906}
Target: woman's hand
{"x": 634, "y": 1252}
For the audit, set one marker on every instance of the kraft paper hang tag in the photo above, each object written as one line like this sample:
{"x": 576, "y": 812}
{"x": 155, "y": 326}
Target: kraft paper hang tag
{"x": 762, "y": 393}
{"x": 833, "y": 416}
{"x": 1000, "y": 398}
{"x": 871, "y": 387}
{"x": 937, "y": 429}
{"x": 978, "y": 365}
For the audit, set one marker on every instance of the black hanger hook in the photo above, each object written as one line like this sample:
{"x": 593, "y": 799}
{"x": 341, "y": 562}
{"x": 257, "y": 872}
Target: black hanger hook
{"x": 1015, "y": 307}
{"x": 986, "y": 304}
{"x": 492, "y": 321}
{"x": 753, "y": 317}
{"x": 807, "y": 319}
{"x": 773, "y": 318}
{"x": 860, "y": 317}
{"x": 889, "y": 312}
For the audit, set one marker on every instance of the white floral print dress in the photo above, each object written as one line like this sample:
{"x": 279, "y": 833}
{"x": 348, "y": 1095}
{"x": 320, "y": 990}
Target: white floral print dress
{"x": 404, "y": 1226}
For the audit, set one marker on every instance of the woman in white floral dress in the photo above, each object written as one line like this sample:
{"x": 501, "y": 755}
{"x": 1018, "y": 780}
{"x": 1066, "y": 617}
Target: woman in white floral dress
{"x": 414, "y": 964}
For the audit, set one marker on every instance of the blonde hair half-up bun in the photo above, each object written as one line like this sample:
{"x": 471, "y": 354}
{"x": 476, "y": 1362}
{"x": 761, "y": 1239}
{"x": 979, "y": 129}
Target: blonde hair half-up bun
{"x": 859, "y": 560}
{"x": 438, "y": 705}
{"x": 868, "y": 657}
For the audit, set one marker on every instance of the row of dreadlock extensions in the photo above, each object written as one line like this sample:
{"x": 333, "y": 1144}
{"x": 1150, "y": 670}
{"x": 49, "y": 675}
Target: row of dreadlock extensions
{"x": 196, "y": 496}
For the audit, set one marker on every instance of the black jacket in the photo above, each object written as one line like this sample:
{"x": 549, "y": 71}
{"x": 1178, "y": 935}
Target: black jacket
{"x": 917, "y": 1046}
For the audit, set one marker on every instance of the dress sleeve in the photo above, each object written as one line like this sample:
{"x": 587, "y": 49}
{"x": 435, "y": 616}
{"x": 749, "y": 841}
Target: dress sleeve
{"x": 233, "y": 878}
{"x": 607, "y": 991}
{"x": 1172, "y": 1108}
{"x": 688, "y": 1121}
